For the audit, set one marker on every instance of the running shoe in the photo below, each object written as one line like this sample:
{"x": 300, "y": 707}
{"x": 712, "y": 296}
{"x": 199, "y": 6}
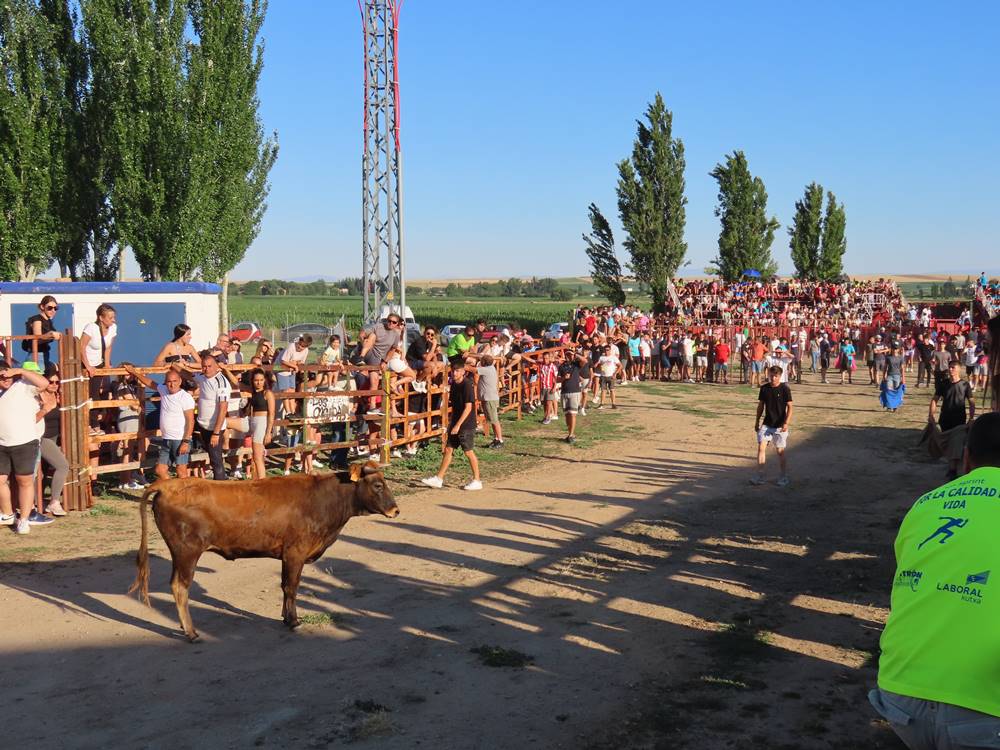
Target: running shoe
{"x": 54, "y": 508}
{"x": 475, "y": 484}
{"x": 7, "y": 520}
{"x": 37, "y": 519}
{"x": 436, "y": 482}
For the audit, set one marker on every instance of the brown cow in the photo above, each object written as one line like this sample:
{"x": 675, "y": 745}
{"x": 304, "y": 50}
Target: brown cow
{"x": 293, "y": 519}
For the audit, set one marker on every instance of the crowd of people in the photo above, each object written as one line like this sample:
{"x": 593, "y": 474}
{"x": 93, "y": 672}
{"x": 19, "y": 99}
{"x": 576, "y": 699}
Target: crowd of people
{"x": 203, "y": 405}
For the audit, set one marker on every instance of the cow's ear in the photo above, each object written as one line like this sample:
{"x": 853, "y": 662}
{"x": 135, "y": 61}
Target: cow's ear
{"x": 356, "y": 472}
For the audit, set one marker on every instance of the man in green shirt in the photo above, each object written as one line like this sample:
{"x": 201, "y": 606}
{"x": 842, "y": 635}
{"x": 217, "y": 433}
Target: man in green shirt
{"x": 462, "y": 344}
{"x": 939, "y": 674}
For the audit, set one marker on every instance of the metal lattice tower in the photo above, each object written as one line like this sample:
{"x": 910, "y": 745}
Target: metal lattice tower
{"x": 382, "y": 163}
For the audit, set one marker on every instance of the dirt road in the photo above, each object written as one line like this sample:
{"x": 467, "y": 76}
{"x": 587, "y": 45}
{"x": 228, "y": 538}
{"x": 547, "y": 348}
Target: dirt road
{"x": 638, "y": 595}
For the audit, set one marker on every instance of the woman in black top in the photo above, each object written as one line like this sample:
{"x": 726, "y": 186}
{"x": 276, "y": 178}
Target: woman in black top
{"x": 178, "y": 349}
{"x": 260, "y": 409}
{"x": 41, "y": 325}
{"x": 49, "y": 444}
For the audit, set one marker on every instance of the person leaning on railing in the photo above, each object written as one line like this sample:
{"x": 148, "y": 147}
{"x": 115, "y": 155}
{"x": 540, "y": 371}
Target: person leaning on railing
{"x": 40, "y": 326}
{"x": 96, "y": 343}
{"x": 176, "y": 421}
{"x": 212, "y": 395}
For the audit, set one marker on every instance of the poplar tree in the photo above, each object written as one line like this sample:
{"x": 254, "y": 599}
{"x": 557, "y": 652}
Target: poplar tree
{"x": 651, "y": 202}
{"x": 28, "y": 121}
{"x": 605, "y": 270}
{"x": 806, "y": 231}
{"x": 231, "y": 159}
{"x": 834, "y": 243}
{"x": 747, "y": 233}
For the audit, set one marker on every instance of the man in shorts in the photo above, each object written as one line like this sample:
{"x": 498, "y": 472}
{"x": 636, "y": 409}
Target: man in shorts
{"x": 774, "y": 404}
{"x": 488, "y": 392}
{"x": 722, "y": 353}
{"x": 758, "y": 349}
{"x": 19, "y": 445}
{"x": 176, "y": 421}
{"x": 570, "y": 379}
{"x": 462, "y": 428}
{"x": 608, "y": 366}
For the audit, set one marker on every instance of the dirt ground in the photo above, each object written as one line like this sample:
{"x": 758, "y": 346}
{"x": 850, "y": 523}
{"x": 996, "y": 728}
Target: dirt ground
{"x": 635, "y": 594}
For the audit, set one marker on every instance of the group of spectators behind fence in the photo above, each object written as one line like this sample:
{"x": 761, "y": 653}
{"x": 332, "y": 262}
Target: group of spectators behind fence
{"x": 381, "y": 395}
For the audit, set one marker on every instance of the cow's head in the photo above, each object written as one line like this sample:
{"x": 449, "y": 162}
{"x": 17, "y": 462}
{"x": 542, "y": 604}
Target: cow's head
{"x": 373, "y": 494}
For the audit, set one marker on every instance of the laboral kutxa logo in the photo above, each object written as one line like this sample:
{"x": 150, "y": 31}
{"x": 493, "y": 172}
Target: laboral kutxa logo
{"x": 908, "y": 579}
{"x": 971, "y": 590}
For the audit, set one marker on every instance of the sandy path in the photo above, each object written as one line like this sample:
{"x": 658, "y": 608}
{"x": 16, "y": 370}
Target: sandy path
{"x": 614, "y": 569}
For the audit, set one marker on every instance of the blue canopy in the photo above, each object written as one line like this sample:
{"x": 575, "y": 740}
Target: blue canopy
{"x": 753, "y": 273}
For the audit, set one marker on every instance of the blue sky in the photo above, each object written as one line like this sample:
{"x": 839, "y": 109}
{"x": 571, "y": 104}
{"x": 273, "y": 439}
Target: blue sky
{"x": 515, "y": 113}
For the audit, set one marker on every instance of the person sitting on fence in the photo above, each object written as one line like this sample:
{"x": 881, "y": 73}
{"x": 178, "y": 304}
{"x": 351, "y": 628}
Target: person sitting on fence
{"x": 463, "y": 343}
{"x": 178, "y": 349}
{"x": 376, "y": 341}
{"x": 176, "y": 421}
{"x": 222, "y": 351}
{"x": 96, "y": 343}
{"x": 127, "y": 389}
{"x": 400, "y": 374}
{"x": 40, "y": 324}
{"x": 265, "y": 350}
{"x": 462, "y": 433}
{"x": 51, "y": 453}
{"x": 19, "y": 444}
{"x": 291, "y": 362}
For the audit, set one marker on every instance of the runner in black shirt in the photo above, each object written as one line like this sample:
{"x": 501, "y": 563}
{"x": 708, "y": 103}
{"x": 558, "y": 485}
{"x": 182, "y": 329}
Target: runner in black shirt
{"x": 461, "y": 426}
{"x": 774, "y": 403}
{"x": 570, "y": 377}
{"x": 953, "y": 394}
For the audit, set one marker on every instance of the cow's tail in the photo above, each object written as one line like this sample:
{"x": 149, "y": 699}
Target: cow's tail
{"x": 141, "y": 583}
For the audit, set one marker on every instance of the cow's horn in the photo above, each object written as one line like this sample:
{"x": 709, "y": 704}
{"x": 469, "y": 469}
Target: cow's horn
{"x": 370, "y": 468}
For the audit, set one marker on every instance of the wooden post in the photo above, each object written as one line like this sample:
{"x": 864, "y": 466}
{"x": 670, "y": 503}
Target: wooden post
{"x": 386, "y": 418}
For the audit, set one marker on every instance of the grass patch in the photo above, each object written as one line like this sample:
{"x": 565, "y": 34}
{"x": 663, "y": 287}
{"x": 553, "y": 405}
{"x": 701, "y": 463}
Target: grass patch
{"x": 18, "y": 554}
{"x": 318, "y": 618}
{"x": 497, "y": 656}
{"x": 104, "y": 509}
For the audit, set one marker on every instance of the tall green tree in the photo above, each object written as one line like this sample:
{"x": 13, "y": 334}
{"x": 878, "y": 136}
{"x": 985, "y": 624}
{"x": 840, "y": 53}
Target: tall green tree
{"x": 231, "y": 158}
{"x": 29, "y": 74}
{"x": 747, "y": 233}
{"x": 806, "y": 231}
{"x": 605, "y": 270}
{"x": 651, "y": 202}
{"x": 834, "y": 243}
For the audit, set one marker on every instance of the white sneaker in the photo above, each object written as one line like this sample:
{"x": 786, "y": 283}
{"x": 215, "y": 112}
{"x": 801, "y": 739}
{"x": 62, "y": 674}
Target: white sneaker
{"x": 475, "y": 484}
{"x": 583, "y": 412}
{"x": 237, "y": 474}
{"x": 318, "y": 464}
{"x": 6, "y": 520}
{"x": 288, "y": 472}
{"x": 396, "y": 453}
{"x": 436, "y": 482}
{"x": 23, "y": 527}
{"x": 54, "y": 508}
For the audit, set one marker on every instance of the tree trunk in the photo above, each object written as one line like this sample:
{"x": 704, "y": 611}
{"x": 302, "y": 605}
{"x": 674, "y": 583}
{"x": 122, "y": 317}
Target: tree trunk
{"x": 121, "y": 263}
{"x": 224, "y": 306}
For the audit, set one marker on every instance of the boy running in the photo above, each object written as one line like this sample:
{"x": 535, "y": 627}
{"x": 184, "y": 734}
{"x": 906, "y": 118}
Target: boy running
{"x": 774, "y": 403}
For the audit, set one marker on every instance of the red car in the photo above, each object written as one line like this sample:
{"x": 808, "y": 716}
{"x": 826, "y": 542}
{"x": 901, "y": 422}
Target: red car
{"x": 495, "y": 330}
{"x": 245, "y": 331}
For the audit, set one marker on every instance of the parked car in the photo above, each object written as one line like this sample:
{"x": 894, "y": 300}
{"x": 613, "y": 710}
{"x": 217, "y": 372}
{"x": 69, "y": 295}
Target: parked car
{"x": 245, "y": 331}
{"x": 318, "y": 331}
{"x": 554, "y": 333}
{"x": 449, "y": 332}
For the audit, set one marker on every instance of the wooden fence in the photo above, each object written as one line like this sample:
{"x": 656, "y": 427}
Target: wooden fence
{"x": 396, "y": 425}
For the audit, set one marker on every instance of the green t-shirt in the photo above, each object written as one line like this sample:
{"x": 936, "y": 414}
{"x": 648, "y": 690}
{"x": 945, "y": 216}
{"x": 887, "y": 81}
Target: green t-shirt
{"x": 942, "y": 640}
{"x": 459, "y": 344}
